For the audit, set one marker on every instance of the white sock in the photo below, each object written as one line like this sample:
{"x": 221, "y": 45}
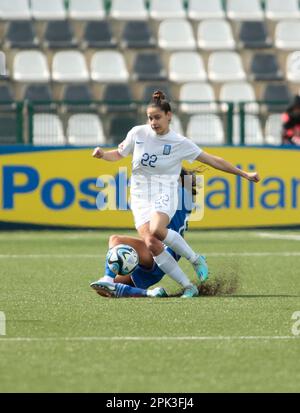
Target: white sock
{"x": 170, "y": 266}
{"x": 179, "y": 245}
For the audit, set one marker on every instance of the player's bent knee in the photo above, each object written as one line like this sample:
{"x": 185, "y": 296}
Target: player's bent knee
{"x": 114, "y": 240}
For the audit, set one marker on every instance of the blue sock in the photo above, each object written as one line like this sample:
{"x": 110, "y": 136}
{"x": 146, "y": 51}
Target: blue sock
{"x": 124, "y": 290}
{"x": 107, "y": 271}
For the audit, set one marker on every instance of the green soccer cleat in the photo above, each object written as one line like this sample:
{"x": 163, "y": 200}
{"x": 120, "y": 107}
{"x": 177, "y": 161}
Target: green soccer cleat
{"x": 157, "y": 292}
{"x": 104, "y": 288}
{"x": 201, "y": 268}
{"x": 190, "y": 291}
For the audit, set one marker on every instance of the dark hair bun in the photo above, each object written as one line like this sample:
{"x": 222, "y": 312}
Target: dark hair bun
{"x": 158, "y": 96}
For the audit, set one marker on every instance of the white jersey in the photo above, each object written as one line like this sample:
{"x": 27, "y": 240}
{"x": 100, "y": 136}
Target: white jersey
{"x": 156, "y": 157}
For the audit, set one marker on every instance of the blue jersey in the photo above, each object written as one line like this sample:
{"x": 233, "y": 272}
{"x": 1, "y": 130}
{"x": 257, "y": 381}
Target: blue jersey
{"x": 145, "y": 277}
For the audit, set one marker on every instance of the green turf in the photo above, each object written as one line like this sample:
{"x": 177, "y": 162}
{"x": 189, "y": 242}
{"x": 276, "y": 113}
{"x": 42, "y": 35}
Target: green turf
{"x": 45, "y": 295}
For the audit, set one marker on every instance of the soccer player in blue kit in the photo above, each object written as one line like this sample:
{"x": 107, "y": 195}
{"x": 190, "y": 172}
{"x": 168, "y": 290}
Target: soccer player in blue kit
{"x": 148, "y": 273}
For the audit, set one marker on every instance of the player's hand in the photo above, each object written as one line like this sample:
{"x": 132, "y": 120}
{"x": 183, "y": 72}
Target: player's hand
{"x": 253, "y": 176}
{"x": 98, "y": 153}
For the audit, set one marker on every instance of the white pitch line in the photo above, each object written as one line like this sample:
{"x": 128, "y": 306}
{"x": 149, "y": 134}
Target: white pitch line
{"x": 209, "y": 254}
{"x": 290, "y": 237}
{"x": 184, "y": 338}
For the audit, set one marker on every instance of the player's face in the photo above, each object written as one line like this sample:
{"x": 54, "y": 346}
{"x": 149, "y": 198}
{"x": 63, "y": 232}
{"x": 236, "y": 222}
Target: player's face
{"x": 159, "y": 120}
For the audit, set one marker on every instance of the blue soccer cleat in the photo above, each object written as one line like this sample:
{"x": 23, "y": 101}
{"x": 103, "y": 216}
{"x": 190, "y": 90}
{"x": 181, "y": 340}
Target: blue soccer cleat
{"x": 201, "y": 268}
{"x": 157, "y": 292}
{"x": 190, "y": 291}
{"x": 104, "y": 288}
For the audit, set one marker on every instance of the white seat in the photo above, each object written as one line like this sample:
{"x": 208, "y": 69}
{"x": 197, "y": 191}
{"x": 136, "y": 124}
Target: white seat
{"x": 225, "y": 67}
{"x": 48, "y": 10}
{"x": 2, "y": 64}
{"x": 86, "y": 10}
{"x": 253, "y": 131}
{"x": 30, "y": 66}
{"x": 273, "y": 130}
{"x": 47, "y": 129}
{"x": 279, "y": 9}
{"x": 186, "y": 67}
{"x": 244, "y": 10}
{"x": 69, "y": 66}
{"x": 195, "y": 92}
{"x": 129, "y": 10}
{"x": 14, "y": 10}
{"x": 176, "y": 125}
{"x": 215, "y": 34}
{"x": 204, "y": 9}
{"x": 205, "y": 129}
{"x": 109, "y": 66}
{"x": 176, "y": 34}
{"x": 166, "y": 9}
{"x": 287, "y": 35}
{"x": 293, "y": 67}
{"x": 240, "y": 92}
{"x": 85, "y": 129}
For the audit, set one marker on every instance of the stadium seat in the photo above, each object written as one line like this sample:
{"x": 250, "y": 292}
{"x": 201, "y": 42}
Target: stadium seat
{"x": 3, "y": 70}
{"x": 166, "y": 9}
{"x": 47, "y": 130}
{"x": 195, "y": 92}
{"x": 293, "y": 67}
{"x": 129, "y": 10}
{"x": 69, "y": 66}
{"x": 186, "y": 67}
{"x": 85, "y": 129}
{"x": 119, "y": 127}
{"x": 203, "y": 9}
{"x": 78, "y": 98}
{"x": 15, "y": 10}
{"x": 279, "y": 9}
{"x": 137, "y": 34}
{"x": 7, "y": 103}
{"x": 38, "y": 93}
{"x": 59, "y": 34}
{"x": 98, "y": 34}
{"x": 205, "y": 129}
{"x": 254, "y": 35}
{"x": 176, "y": 125}
{"x": 225, "y": 67}
{"x": 265, "y": 66}
{"x": 21, "y": 34}
{"x": 273, "y": 130}
{"x": 237, "y": 92}
{"x": 148, "y": 67}
{"x": 48, "y": 10}
{"x": 150, "y": 89}
{"x": 30, "y": 66}
{"x": 176, "y": 34}
{"x": 118, "y": 98}
{"x": 277, "y": 97}
{"x": 244, "y": 10}
{"x": 86, "y": 10}
{"x": 109, "y": 66}
{"x": 253, "y": 131}
{"x": 8, "y": 129}
{"x": 215, "y": 34}
{"x": 287, "y": 35}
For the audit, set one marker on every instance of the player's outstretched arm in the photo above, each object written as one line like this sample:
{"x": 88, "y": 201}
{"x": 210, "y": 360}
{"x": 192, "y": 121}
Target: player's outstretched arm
{"x": 220, "y": 163}
{"x": 111, "y": 156}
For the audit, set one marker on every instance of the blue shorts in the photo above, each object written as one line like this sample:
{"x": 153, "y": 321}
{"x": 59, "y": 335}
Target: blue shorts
{"x": 145, "y": 277}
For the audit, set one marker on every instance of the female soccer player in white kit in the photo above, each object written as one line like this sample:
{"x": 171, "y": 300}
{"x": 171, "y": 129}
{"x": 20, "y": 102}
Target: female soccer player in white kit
{"x": 156, "y": 164}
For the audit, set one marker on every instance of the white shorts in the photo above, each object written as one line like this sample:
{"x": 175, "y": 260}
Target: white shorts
{"x": 142, "y": 208}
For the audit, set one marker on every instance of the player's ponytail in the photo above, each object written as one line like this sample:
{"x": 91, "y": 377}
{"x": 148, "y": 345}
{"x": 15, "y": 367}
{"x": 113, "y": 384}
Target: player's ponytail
{"x": 160, "y": 101}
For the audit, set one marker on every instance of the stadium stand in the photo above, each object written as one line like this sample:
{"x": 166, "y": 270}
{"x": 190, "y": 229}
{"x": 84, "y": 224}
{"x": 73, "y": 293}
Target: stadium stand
{"x": 115, "y": 51}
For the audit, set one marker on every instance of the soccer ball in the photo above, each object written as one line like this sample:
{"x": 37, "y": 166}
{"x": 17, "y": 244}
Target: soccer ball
{"x": 122, "y": 259}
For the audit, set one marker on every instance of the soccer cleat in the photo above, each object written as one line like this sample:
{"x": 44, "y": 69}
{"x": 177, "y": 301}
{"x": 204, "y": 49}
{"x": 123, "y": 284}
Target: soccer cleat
{"x": 190, "y": 291}
{"x": 201, "y": 268}
{"x": 157, "y": 292}
{"x": 104, "y": 288}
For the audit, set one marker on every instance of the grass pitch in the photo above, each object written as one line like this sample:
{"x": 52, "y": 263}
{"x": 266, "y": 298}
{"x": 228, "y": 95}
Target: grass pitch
{"x": 62, "y": 337}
